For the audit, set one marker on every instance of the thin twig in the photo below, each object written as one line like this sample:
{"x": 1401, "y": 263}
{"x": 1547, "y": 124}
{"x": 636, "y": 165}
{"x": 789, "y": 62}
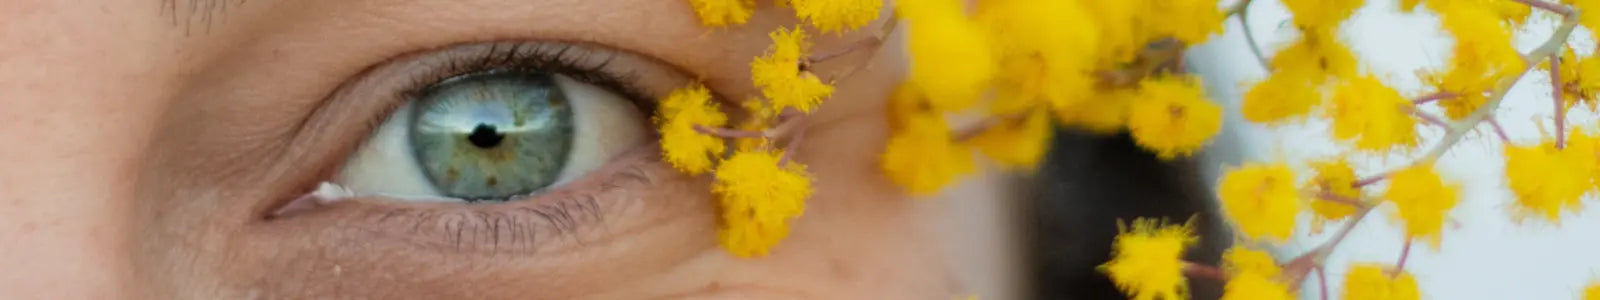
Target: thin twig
{"x": 1243, "y": 11}
{"x": 1195, "y": 270}
{"x": 729, "y": 133}
{"x": 1331, "y": 197}
{"x": 1431, "y": 119}
{"x": 1425, "y": 99}
{"x": 1322, "y": 281}
{"x": 983, "y": 125}
{"x": 873, "y": 43}
{"x": 1562, "y": 10}
{"x": 1400, "y": 267}
{"x": 1555, "y": 92}
{"x": 1499, "y": 131}
{"x": 1371, "y": 180}
{"x": 793, "y": 144}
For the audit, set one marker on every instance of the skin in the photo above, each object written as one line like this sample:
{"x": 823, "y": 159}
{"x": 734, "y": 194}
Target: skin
{"x": 146, "y": 144}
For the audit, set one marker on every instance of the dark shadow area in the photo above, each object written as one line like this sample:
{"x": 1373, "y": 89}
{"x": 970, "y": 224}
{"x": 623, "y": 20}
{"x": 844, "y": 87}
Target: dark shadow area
{"x": 1089, "y": 182}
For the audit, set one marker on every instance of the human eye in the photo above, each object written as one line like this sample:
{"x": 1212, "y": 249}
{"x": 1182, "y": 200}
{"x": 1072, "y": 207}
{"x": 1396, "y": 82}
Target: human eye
{"x": 491, "y": 147}
{"x": 493, "y": 130}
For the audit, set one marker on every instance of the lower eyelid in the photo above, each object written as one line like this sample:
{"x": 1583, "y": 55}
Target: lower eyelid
{"x": 535, "y": 224}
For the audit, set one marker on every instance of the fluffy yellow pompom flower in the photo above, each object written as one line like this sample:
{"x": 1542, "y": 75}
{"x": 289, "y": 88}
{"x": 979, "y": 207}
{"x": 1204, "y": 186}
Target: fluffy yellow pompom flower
{"x": 1017, "y": 144}
{"x": 758, "y": 197}
{"x": 685, "y": 148}
{"x": 1105, "y": 113}
{"x": 1172, "y": 117}
{"x": 1238, "y": 260}
{"x": 1147, "y": 263}
{"x": 1252, "y": 286}
{"x": 1189, "y": 21}
{"x": 951, "y": 60}
{"x": 1261, "y": 200}
{"x": 1592, "y": 292}
{"x": 1580, "y": 78}
{"x": 1318, "y": 55}
{"x": 1372, "y": 114}
{"x": 1588, "y": 14}
{"x": 720, "y": 13}
{"x": 1282, "y": 97}
{"x": 1323, "y": 14}
{"x": 1334, "y": 178}
{"x": 837, "y": 15}
{"x": 1047, "y": 49}
{"x": 1546, "y": 180}
{"x": 922, "y": 157}
{"x": 1371, "y": 282}
{"x": 1120, "y": 43}
{"x": 1421, "y": 200}
{"x": 777, "y": 73}
{"x": 1482, "y": 55}
{"x": 1409, "y": 5}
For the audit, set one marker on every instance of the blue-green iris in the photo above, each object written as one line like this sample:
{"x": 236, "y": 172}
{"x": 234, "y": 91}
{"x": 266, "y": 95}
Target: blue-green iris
{"x": 492, "y": 135}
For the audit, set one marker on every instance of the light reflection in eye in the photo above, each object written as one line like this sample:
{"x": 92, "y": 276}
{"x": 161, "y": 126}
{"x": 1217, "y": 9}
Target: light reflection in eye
{"x": 493, "y": 136}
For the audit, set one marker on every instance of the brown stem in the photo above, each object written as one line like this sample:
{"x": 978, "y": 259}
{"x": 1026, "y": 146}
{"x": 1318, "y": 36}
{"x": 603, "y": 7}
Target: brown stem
{"x": 1431, "y": 119}
{"x": 874, "y": 43}
{"x": 1322, "y": 282}
{"x": 1331, "y": 197}
{"x": 866, "y": 43}
{"x": 1371, "y": 180}
{"x": 793, "y": 144}
{"x": 1499, "y": 131}
{"x": 1195, "y": 270}
{"x": 983, "y": 125}
{"x": 1401, "y": 266}
{"x": 729, "y": 133}
{"x": 1425, "y": 99}
{"x": 1552, "y": 7}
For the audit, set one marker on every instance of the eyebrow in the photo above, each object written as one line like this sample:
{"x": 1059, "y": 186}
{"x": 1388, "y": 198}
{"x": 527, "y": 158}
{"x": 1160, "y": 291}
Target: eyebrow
{"x": 196, "y": 16}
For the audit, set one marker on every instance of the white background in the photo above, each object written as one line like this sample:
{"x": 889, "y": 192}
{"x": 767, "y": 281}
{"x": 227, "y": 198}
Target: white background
{"x": 1485, "y": 253}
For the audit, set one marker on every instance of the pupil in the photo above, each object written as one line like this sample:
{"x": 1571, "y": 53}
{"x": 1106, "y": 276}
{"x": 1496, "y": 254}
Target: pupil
{"x": 485, "y": 136}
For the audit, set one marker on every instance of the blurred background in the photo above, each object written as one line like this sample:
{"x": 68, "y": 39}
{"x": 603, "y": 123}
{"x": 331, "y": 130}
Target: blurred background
{"x": 1091, "y": 181}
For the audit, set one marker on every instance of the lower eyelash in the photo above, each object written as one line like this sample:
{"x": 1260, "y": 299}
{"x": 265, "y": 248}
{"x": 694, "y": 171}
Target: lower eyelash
{"x": 523, "y": 226}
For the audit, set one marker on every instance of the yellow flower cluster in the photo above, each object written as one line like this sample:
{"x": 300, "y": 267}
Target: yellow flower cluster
{"x": 1369, "y": 281}
{"x": 758, "y": 196}
{"x": 1028, "y": 65}
{"x": 1421, "y": 200}
{"x": 1022, "y": 67}
{"x": 1252, "y": 275}
{"x": 1261, "y": 200}
{"x": 759, "y": 188}
{"x": 1147, "y": 261}
{"x": 1547, "y": 180}
{"x": 1317, "y": 72}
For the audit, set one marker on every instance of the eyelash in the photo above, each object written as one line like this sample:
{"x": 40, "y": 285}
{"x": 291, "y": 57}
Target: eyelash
{"x": 551, "y": 57}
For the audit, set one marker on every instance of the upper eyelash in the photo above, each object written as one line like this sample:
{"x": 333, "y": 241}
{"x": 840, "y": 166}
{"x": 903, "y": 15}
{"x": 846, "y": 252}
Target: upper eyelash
{"x": 571, "y": 60}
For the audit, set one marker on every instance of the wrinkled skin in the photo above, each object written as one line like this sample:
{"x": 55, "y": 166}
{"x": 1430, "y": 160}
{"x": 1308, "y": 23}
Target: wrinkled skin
{"x": 144, "y": 143}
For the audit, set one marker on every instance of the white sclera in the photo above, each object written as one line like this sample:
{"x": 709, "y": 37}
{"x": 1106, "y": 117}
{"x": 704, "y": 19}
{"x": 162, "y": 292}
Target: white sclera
{"x": 605, "y": 125}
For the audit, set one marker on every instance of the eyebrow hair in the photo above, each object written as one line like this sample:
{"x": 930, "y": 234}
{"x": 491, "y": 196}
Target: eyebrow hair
{"x": 192, "y": 13}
